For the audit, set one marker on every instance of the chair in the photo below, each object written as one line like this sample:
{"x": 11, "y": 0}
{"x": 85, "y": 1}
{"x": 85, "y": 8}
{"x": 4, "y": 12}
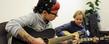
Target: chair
{"x": 3, "y": 33}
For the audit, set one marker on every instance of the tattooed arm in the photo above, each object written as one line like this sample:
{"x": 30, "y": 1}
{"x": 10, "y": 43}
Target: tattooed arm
{"x": 22, "y": 34}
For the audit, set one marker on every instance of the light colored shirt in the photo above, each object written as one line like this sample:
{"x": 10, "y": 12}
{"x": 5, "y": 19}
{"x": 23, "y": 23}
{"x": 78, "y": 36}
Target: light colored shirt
{"x": 33, "y": 20}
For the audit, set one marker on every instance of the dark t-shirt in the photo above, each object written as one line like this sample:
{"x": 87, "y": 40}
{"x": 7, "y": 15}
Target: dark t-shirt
{"x": 70, "y": 27}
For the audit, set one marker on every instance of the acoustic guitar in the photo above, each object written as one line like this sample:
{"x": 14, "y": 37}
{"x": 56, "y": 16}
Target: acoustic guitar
{"x": 48, "y": 35}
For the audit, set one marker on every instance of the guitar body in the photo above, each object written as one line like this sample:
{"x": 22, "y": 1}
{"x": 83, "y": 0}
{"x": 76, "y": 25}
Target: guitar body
{"x": 45, "y": 35}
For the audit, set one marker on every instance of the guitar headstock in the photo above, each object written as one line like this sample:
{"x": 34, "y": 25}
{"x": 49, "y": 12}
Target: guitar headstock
{"x": 106, "y": 37}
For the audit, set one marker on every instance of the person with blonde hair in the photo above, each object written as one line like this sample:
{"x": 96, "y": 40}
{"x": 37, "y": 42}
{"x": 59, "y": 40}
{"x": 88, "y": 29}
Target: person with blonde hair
{"x": 73, "y": 26}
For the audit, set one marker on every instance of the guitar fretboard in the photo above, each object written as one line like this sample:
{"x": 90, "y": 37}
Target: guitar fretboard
{"x": 94, "y": 38}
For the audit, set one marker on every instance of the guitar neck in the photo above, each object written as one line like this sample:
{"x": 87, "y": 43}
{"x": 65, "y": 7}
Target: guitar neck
{"x": 87, "y": 39}
{"x": 63, "y": 38}
{"x": 59, "y": 39}
{"x": 96, "y": 38}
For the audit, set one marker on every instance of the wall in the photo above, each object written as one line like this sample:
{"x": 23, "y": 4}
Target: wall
{"x": 10, "y": 9}
{"x": 104, "y": 14}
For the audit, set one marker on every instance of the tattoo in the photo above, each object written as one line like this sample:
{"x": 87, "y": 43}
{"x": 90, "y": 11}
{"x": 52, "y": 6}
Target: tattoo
{"x": 24, "y": 36}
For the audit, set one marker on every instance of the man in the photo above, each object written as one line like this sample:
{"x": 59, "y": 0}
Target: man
{"x": 39, "y": 20}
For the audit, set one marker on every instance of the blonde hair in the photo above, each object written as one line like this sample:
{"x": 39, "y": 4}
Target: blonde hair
{"x": 79, "y": 12}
